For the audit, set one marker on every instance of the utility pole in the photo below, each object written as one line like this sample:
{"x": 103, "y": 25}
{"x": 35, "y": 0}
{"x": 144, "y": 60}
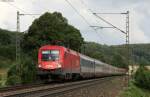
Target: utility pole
{"x": 127, "y": 39}
{"x": 18, "y": 39}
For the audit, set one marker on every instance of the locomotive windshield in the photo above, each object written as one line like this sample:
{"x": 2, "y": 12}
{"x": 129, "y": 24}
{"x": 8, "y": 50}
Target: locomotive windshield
{"x": 50, "y": 55}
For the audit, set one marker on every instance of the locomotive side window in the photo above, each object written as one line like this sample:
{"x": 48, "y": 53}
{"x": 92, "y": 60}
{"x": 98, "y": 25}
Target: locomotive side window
{"x": 50, "y": 55}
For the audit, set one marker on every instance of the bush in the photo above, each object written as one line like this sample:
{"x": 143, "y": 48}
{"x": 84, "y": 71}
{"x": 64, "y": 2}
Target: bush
{"x": 22, "y": 73}
{"x": 142, "y": 78}
{"x": 12, "y": 71}
{"x": 29, "y": 71}
{"x": 13, "y": 80}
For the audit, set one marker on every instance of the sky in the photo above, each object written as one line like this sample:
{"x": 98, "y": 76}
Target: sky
{"x": 139, "y": 14}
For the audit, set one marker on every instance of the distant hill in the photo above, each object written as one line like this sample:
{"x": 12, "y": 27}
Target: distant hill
{"x": 115, "y": 55}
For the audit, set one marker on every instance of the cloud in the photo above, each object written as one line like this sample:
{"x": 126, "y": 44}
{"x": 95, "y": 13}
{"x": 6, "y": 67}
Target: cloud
{"x": 139, "y": 17}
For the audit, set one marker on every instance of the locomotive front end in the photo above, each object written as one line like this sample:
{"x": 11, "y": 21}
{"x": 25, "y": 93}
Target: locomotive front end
{"x": 50, "y": 58}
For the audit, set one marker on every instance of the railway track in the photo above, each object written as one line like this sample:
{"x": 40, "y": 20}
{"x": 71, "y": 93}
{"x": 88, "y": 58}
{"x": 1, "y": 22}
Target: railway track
{"x": 52, "y": 89}
{"x": 19, "y": 87}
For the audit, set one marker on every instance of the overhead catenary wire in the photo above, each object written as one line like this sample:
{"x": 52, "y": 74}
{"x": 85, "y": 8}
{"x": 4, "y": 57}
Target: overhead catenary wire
{"x": 103, "y": 18}
{"x": 82, "y": 17}
{"x": 109, "y": 23}
{"x": 86, "y": 6}
{"x": 78, "y": 12}
{"x": 91, "y": 11}
{"x": 18, "y": 8}
{"x": 112, "y": 26}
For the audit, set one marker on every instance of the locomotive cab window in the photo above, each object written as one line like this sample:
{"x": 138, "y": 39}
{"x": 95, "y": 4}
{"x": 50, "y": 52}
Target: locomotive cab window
{"x": 50, "y": 55}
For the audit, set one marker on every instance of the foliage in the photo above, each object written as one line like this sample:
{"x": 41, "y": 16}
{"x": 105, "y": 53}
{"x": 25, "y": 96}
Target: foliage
{"x": 25, "y": 72}
{"x": 5, "y": 37}
{"x": 51, "y": 28}
{"x": 134, "y": 91}
{"x": 13, "y": 80}
{"x": 3, "y": 77}
{"x": 28, "y": 71}
{"x": 142, "y": 78}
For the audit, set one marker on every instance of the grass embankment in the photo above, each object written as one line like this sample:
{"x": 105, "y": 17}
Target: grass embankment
{"x": 3, "y": 77}
{"x": 134, "y": 91}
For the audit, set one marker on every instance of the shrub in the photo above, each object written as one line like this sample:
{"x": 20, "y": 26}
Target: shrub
{"x": 29, "y": 71}
{"x": 25, "y": 72}
{"x": 142, "y": 78}
{"x": 13, "y": 80}
{"x": 12, "y": 71}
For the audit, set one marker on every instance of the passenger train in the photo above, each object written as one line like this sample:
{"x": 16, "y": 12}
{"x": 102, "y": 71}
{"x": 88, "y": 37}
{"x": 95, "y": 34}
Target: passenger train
{"x": 63, "y": 63}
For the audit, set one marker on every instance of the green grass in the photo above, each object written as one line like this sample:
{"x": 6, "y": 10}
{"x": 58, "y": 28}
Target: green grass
{"x": 3, "y": 77}
{"x": 134, "y": 91}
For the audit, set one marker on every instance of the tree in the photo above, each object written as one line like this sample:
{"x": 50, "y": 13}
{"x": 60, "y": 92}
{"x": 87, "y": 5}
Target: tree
{"x": 51, "y": 28}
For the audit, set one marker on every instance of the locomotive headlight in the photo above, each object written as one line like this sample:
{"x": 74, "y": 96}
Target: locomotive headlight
{"x": 58, "y": 65}
{"x": 39, "y": 66}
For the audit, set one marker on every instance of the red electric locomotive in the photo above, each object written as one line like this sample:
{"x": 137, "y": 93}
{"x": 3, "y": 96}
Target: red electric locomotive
{"x": 58, "y": 61}
{"x": 61, "y": 62}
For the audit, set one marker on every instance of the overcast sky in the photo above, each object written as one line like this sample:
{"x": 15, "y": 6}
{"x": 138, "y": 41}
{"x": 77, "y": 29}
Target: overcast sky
{"x": 139, "y": 17}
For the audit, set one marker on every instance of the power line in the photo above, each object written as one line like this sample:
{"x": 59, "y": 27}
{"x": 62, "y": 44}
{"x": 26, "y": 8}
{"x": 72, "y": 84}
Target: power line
{"x": 78, "y": 12}
{"x": 90, "y": 10}
{"x": 109, "y": 23}
{"x": 25, "y": 12}
{"x": 103, "y": 18}
{"x": 83, "y": 18}
{"x": 16, "y": 7}
{"x": 86, "y": 6}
